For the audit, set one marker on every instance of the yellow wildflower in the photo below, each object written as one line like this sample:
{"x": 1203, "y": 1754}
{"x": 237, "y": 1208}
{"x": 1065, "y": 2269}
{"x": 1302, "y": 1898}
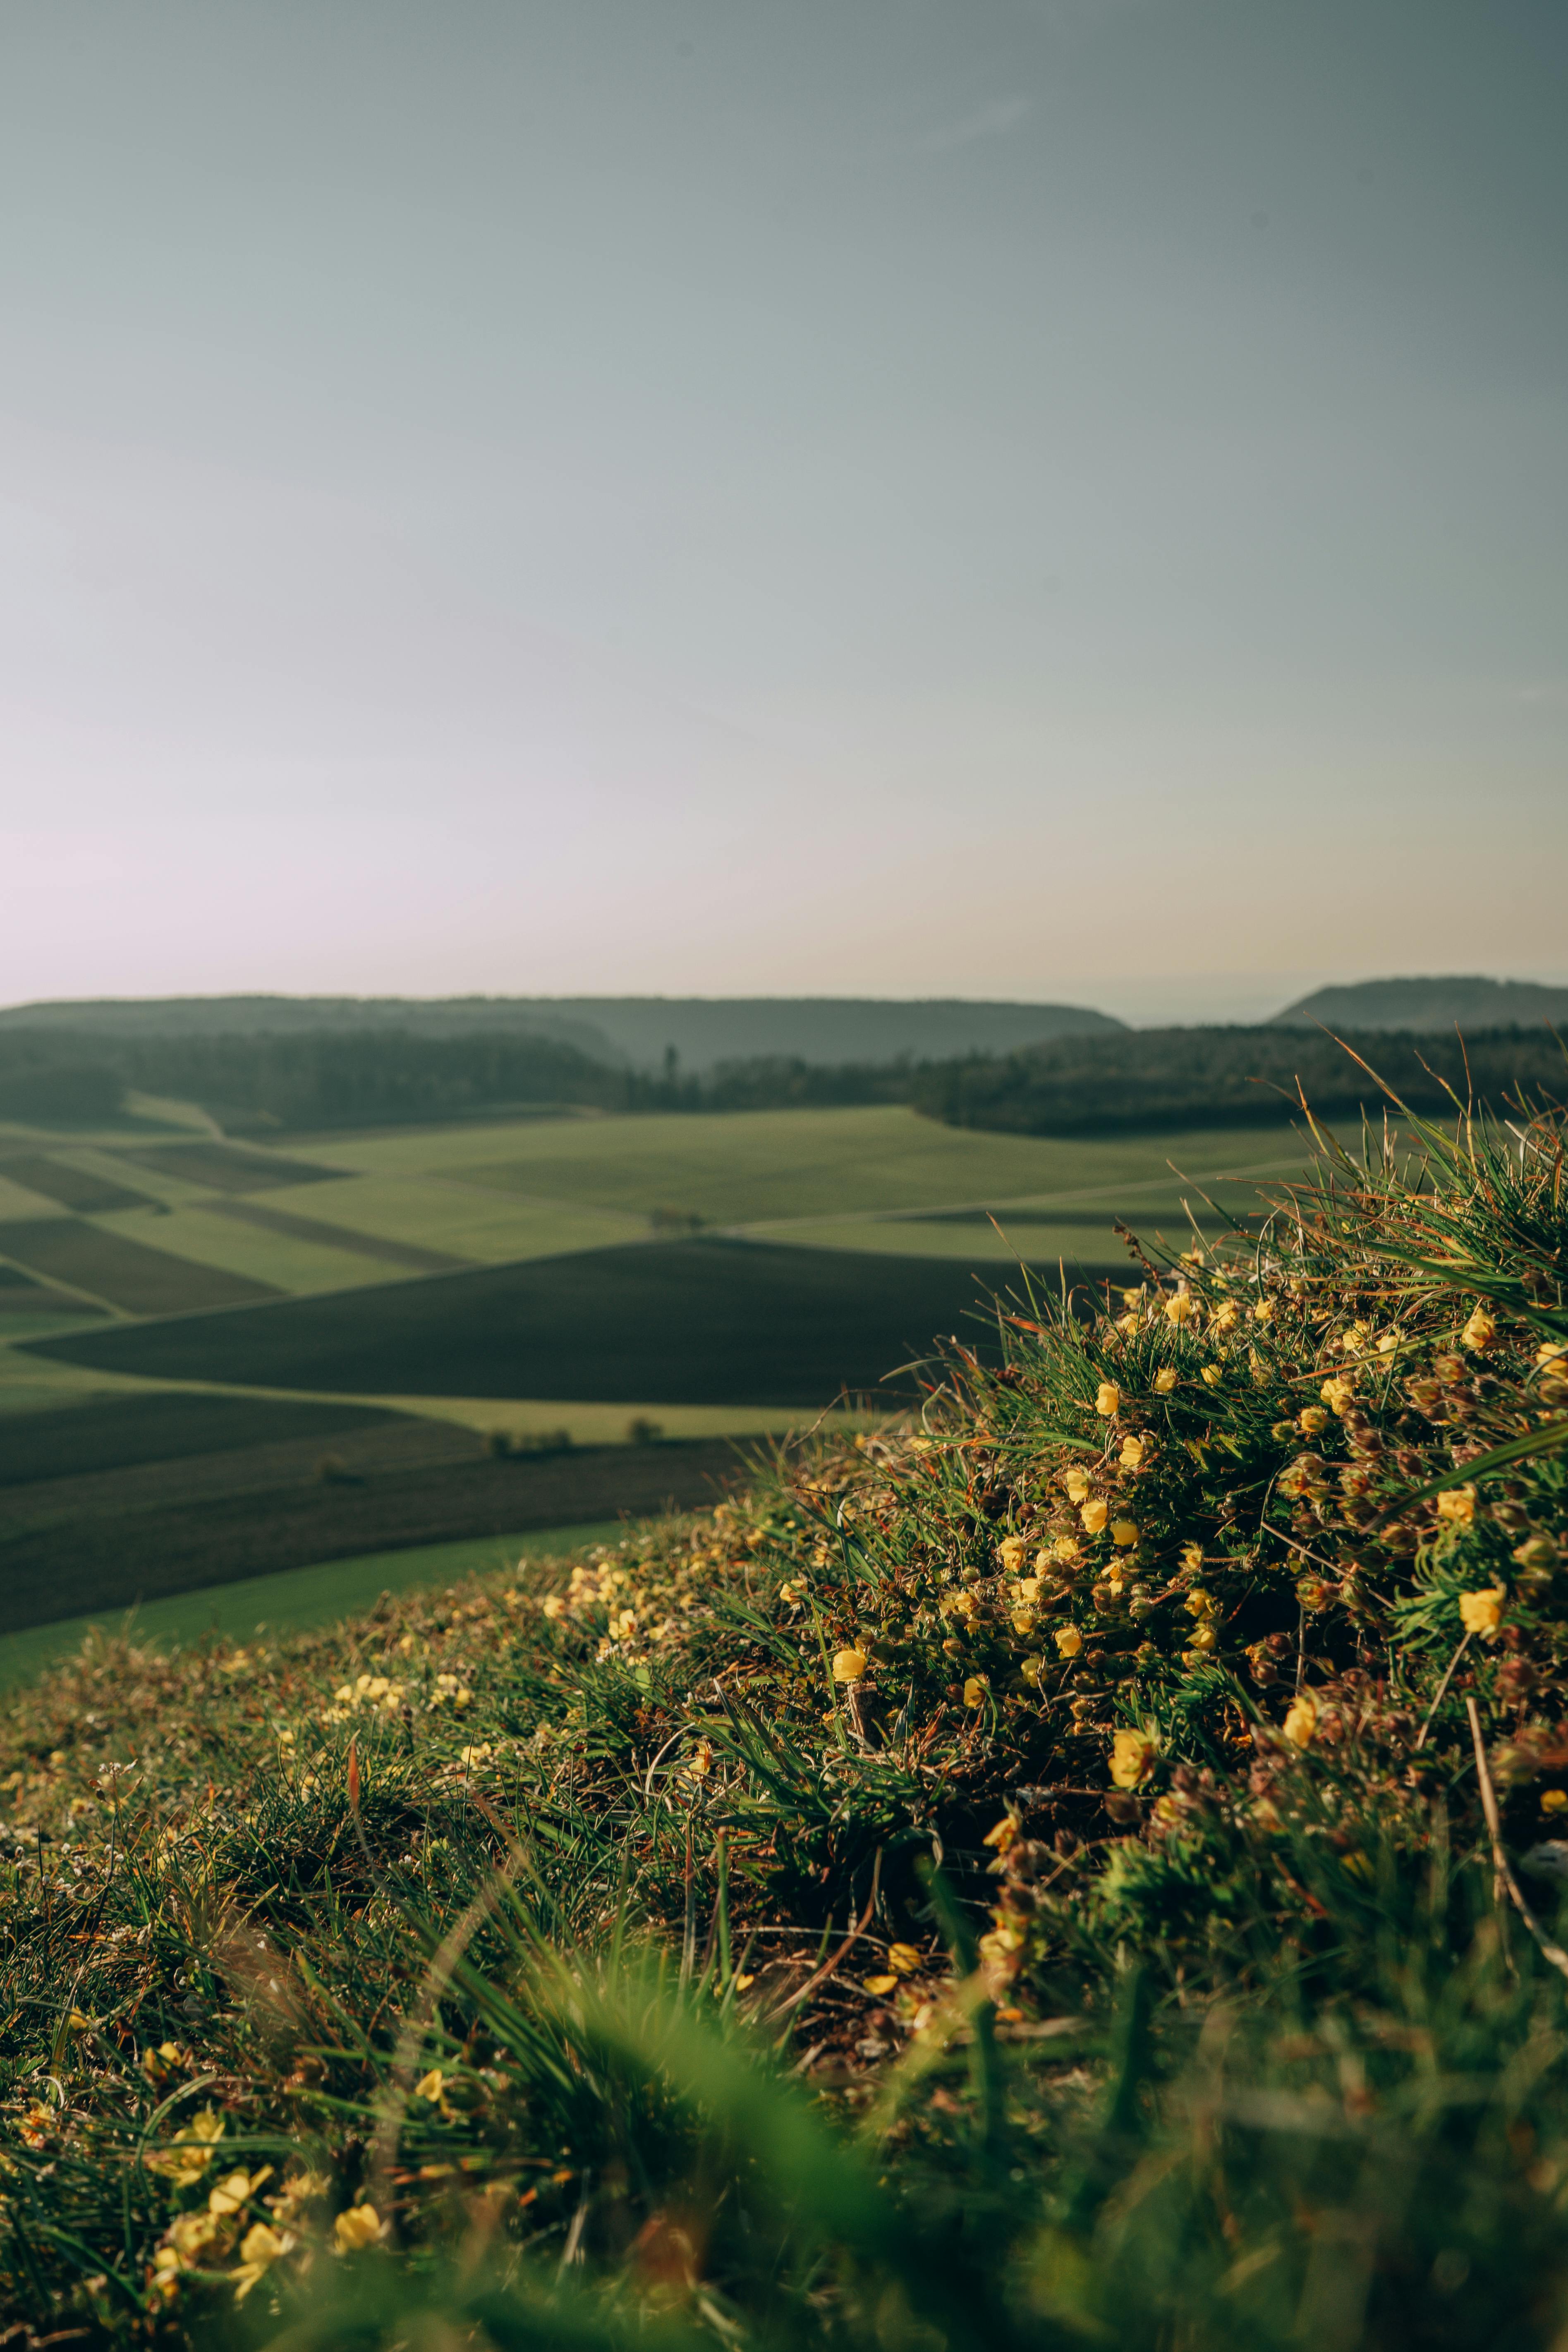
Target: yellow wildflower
{"x": 1311, "y": 1420}
{"x": 1199, "y": 1603}
{"x": 849, "y": 1665}
{"x": 1301, "y": 1720}
{"x": 1180, "y": 1307}
{"x": 792, "y": 1592}
{"x": 1131, "y": 1756}
{"x": 1132, "y": 1453}
{"x": 1028, "y": 1589}
{"x": 1264, "y": 1311}
{"x": 1124, "y": 1533}
{"x": 1552, "y": 1800}
{"x": 1094, "y": 1515}
{"x": 1482, "y": 1612}
{"x": 975, "y": 1690}
{"x": 1077, "y": 1484}
{"x": 1481, "y": 1332}
{"x": 1165, "y": 1380}
{"x": 234, "y": 2191}
{"x": 1192, "y": 1556}
{"x": 1010, "y": 1552}
{"x": 1107, "y": 1398}
{"x": 1066, "y": 1549}
{"x": 187, "y": 2157}
{"x": 881, "y": 1985}
{"x": 1337, "y": 1393}
{"x": 701, "y": 1760}
{"x": 1458, "y": 1506}
{"x": 359, "y": 2227}
{"x": 1227, "y": 1317}
{"x": 1002, "y": 1834}
{"x": 1069, "y": 1640}
{"x": 1213, "y": 1375}
{"x": 260, "y": 2247}
{"x": 905, "y": 1958}
{"x": 430, "y": 2087}
{"x": 1203, "y": 1636}
{"x": 552, "y": 1606}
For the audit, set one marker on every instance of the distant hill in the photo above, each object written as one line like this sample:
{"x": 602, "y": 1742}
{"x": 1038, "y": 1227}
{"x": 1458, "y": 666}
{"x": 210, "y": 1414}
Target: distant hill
{"x": 630, "y": 1030}
{"x": 1429, "y": 1004}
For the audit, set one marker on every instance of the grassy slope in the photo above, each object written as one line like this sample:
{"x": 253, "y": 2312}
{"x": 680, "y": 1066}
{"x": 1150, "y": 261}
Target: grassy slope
{"x": 1213, "y": 2029}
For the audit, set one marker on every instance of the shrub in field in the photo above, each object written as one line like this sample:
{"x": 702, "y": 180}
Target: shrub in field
{"x": 1076, "y": 1867}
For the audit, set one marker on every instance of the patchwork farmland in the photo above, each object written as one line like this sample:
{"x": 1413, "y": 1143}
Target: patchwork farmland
{"x": 218, "y": 1360}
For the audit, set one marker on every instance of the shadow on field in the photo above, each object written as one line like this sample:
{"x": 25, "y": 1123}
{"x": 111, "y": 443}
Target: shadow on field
{"x": 708, "y": 1321}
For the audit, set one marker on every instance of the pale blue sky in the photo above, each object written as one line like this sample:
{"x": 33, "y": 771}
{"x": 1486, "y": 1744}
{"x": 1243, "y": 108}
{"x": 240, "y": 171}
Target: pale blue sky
{"x": 1058, "y": 498}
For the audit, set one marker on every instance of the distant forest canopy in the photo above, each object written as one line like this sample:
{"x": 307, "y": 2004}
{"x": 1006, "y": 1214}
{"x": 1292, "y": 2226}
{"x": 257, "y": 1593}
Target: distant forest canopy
{"x": 1152, "y": 1079}
{"x": 1471, "y": 1004}
{"x": 630, "y": 1031}
{"x": 58, "y": 1073}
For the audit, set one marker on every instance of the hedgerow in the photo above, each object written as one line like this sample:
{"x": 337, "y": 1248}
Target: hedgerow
{"x": 1075, "y": 1866}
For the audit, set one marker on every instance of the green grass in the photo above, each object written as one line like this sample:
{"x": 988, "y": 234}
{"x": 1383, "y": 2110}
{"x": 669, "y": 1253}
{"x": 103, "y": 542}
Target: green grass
{"x": 290, "y": 1603}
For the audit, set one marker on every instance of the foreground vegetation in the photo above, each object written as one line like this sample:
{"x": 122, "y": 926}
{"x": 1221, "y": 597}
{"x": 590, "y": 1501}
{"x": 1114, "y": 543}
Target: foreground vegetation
{"x": 1057, "y": 1872}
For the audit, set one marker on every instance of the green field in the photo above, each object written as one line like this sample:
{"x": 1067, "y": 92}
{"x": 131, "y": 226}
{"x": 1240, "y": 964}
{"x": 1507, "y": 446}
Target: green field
{"x": 168, "y": 1303}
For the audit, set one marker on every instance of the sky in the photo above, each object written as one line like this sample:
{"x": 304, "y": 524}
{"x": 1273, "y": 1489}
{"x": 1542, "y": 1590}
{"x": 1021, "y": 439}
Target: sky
{"x": 1042, "y": 499}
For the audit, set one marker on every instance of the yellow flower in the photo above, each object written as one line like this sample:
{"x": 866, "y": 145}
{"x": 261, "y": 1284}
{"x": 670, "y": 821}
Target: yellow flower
{"x": 1023, "y": 1621}
{"x": 879, "y": 1985}
{"x": 1264, "y": 1311}
{"x": 1337, "y": 1393}
{"x": 905, "y": 1958}
{"x": 1079, "y": 1485}
{"x": 1002, "y": 1834}
{"x": 849, "y": 1665}
{"x": 1311, "y": 1420}
{"x": 792, "y": 1592}
{"x": 1481, "y": 1331}
{"x": 1165, "y": 1380}
{"x": 430, "y": 2087}
{"x": 1179, "y": 1307}
{"x": 1132, "y": 1453}
{"x": 1028, "y": 1589}
{"x": 1132, "y": 1755}
{"x": 188, "y": 2157}
{"x": 1482, "y": 1612}
{"x": 1199, "y": 1603}
{"x": 1066, "y": 1549}
{"x": 975, "y": 1690}
{"x": 1107, "y": 1398}
{"x": 1552, "y": 1800}
{"x": 1203, "y": 1637}
{"x": 191, "y": 2233}
{"x": 1069, "y": 1640}
{"x": 553, "y": 1605}
{"x": 1301, "y": 1720}
{"x": 1010, "y": 1552}
{"x": 1458, "y": 1506}
{"x": 236, "y": 2191}
{"x": 1192, "y": 1556}
{"x": 1124, "y": 1532}
{"x": 1094, "y": 1515}
{"x": 359, "y": 2227}
{"x": 260, "y": 2247}
{"x": 1213, "y": 1375}
{"x": 701, "y": 1760}
{"x": 1227, "y": 1315}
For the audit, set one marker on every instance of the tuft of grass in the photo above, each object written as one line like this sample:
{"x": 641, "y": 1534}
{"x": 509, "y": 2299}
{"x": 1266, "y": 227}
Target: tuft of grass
{"x": 1074, "y": 1865}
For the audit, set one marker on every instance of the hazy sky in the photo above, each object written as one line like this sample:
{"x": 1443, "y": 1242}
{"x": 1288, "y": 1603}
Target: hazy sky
{"x": 1039, "y": 498}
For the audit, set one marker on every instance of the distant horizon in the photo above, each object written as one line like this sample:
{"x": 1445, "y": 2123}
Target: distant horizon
{"x": 1187, "y": 1001}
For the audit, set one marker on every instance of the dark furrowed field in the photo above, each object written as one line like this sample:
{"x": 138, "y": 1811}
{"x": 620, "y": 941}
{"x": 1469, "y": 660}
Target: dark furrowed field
{"x": 73, "y": 1188}
{"x": 108, "y": 1540}
{"x": 228, "y": 1167}
{"x": 705, "y": 1322}
{"x": 126, "y": 1273}
{"x": 117, "y": 1433}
